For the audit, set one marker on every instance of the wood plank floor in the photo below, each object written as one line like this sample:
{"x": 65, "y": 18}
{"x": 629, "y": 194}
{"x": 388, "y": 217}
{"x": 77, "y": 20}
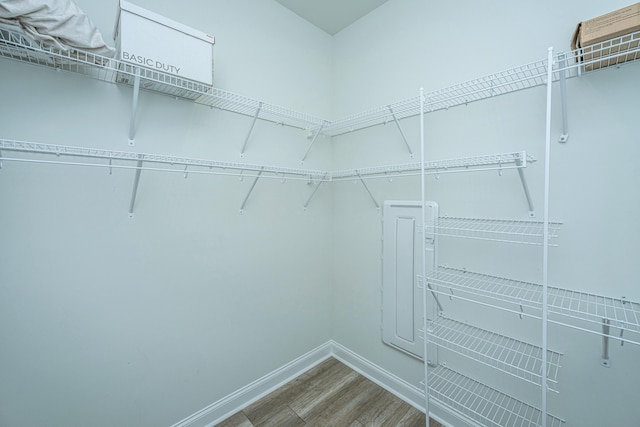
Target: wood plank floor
{"x": 329, "y": 394}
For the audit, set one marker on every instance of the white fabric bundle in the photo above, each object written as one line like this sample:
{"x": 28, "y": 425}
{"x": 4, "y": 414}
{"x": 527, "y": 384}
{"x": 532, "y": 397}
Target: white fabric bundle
{"x": 57, "y": 22}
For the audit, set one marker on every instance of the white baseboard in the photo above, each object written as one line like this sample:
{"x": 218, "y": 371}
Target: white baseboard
{"x": 236, "y": 401}
{"x": 229, "y": 405}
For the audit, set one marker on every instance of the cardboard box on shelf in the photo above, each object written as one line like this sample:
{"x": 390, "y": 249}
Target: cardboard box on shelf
{"x": 149, "y": 40}
{"x": 608, "y": 36}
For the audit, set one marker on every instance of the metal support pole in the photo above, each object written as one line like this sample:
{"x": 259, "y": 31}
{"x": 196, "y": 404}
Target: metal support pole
{"x": 404, "y": 137}
{"x": 525, "y": 187}
{"x": 134, "y": 109}
{"x": 424, "y": 260}
{"x": 313, "y": 141}
{"x": 605, "y": 343}
{"x": 545, "y": 246}
{"x": 246, "y": 140}
{"x": 314, "y": 191}
{"x": 368, "y": 191}
{"x": 136, "y": 181}
{"x": 562, "y": 57}
{"x": 255, "y": 181}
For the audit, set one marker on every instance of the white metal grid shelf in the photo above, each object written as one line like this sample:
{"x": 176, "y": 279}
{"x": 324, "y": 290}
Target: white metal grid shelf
{"x": 17, "y": 46}
{"x": 464, "y": 164}
{"x": 578, "y": 310}
{"x": 499, "y": 161}
{"x": 167, "y": 162}
{"x": 481, "y": 403}
{"x": 508, "y": 231}
{"x": 612, "y": 52}
{"x": 514, "y": 357}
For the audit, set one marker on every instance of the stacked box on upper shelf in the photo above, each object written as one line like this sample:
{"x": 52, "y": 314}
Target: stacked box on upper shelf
{"x": 149, "y": 40}
{"x": 608, "y": 35}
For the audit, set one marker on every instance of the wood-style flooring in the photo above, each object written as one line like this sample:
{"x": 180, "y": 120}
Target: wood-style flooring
{"x": 329, "y": 394}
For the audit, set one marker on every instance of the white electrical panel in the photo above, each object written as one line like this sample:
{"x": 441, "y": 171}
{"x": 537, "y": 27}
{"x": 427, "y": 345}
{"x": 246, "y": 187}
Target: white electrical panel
{"x": 402, "y": 294}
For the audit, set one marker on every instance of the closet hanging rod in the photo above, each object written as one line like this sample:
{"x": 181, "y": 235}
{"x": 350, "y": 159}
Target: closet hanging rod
{"x": 110, "y": 155}
{"x": 490, "y": 162}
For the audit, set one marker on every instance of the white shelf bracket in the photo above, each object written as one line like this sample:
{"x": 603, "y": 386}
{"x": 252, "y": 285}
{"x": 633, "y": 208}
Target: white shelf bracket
{"x": 404, "y": 137}
{"x": 134, "y": 109}
{"x": 604, "y": 361}
{"x": 246, "y": 140}
{"x": 313, "y": 140}
{"x": 364, "y": 184}
{"x": 255, "y": 181}
{"x": 562, "y": 57}
{"x": 313, "y": 193}
{"x": 525, "y": 186}
{"x": 136, "y": 181}
{"x": 1, "y": 159}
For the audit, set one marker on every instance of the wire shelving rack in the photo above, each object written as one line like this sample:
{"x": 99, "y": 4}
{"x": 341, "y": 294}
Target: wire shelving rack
{"x": 578, "y": 310}
{"x": 17, "y": 46}
{"x": 497, "y": 230}
{"x": 508, "y": 355}
{"x": 482, "y": 404}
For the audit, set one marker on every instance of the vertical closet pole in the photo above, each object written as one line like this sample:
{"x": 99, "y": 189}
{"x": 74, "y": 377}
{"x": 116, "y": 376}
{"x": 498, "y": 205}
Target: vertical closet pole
{"x": 136, "y": 92}
{"x": 424, "y": 261}
{"x": 545, "y": 246}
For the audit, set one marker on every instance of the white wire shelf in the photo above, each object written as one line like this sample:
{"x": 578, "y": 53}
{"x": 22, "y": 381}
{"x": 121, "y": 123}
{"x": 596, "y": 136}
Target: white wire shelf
{"x": 15, "y": 45}
{"x": 464, "y": 164}
{"x": 497, "y": 161}
{"x": 574, "y": 309}
{"x": 166, "y": 163}
{"x": 511, "y": 356}
{"x": 612, "y": 52}
{"x": 481, "y": 403}
{"x": 498, "y": 230}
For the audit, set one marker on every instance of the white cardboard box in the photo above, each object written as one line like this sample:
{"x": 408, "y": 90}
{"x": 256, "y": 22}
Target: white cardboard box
{"x": 152, "y": 41}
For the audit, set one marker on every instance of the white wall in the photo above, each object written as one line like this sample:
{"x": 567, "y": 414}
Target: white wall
{"x": 408, "y": 44}
{"x": 104, "y": 320}
{"x": 110, "y": 321}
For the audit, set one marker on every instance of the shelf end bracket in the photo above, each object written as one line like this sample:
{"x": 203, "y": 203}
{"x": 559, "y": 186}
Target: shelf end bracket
{"x": 525, "y": 186}
{"x": 315, "y": 190}
{"x": 246, "y": 198}
{"x": 313, "y": 140}
{"x": 246, "y": 140}
{"x": 136, "y": 181}
{"x": 404, "y": 137}
{"x": 364, "y": 184}
{"x": 134, "y": 109}
{"x": 562, "y": 57}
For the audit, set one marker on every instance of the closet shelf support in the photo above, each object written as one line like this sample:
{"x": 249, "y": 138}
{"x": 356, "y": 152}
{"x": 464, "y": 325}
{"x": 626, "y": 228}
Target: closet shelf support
{"x": 562, "y": 58}
{"x": 368, "y": 191}
{"x": 525, "y": 186}
{"x": 313, "y": 193}
{"x": 246, "y": 140}
{"x": 134, "y": 109}
{"x": 255, "y": 181}
{"x": 404, "y": 137}
{"x": 313, "y": 140}
{"x": 136, "y": 181}
{"x": 604, "y": 361}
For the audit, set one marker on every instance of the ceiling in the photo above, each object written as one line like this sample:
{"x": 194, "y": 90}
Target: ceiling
{"x": 331, "y": 15}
